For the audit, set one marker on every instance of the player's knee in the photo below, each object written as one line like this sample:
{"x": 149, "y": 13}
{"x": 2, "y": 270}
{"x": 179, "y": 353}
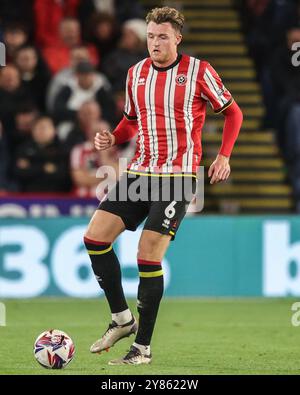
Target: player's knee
{"x": 147, "y": 247}
{"x": 97, "y": 233}
{"x": 90, "y": 234}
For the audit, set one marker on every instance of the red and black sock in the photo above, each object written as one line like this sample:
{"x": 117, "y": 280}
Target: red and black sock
{"x": 107, "y": 271}
{"x": 150, "y": 292}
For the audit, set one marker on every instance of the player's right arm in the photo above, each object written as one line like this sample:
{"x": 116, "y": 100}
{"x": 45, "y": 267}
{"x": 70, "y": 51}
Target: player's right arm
{"x": 221, "y": 101}
{"x": 104, "y": 140}
{"x": 127, "y": 127}
{"x": 125, "y": 131}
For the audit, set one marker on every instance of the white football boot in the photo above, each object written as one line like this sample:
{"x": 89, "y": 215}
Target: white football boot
{"x": 113, "y": 334}
{"x": 134, "y": 357}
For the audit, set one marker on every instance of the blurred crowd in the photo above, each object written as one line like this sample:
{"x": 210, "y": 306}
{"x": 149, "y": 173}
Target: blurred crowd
{"x": 64, "y": 80}
{"x": 65, "y": 76}
{"x": 272, "y": 31}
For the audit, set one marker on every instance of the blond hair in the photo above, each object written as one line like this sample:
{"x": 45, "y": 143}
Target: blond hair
{"x": 166, "y": 14}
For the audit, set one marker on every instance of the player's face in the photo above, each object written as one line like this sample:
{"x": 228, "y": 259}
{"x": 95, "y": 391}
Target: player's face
{"x": 162, "y": 41}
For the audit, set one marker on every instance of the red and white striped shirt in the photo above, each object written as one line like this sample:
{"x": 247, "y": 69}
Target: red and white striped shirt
{"x": 170, "y": 106}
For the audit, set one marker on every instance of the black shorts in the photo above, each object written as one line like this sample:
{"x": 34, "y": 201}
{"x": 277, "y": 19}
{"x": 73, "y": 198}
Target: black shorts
{"x": 163, "y": 200}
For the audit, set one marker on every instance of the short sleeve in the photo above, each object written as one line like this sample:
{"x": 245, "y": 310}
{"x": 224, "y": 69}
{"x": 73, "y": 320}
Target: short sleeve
{"x": 213, "y": 89}
{"x": 129, "y": 108}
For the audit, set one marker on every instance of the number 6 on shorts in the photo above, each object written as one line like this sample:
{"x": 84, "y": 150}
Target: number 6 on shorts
{"x": 170, "y": 210}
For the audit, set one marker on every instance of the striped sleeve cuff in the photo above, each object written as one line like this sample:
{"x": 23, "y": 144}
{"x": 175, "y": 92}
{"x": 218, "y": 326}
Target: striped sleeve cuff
{"x": 230, "y": 101}
{"x": 130, "y": 117}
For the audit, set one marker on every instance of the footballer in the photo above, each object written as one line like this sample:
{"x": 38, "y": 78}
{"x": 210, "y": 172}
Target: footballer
{"x": 166, "y": 99}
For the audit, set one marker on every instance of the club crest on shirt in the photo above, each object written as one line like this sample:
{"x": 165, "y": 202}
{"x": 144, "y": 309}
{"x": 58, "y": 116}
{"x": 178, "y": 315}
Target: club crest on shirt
{"x": 181, "y": 79}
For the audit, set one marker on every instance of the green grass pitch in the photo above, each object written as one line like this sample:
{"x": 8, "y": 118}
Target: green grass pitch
{"x": 193, "y": 336}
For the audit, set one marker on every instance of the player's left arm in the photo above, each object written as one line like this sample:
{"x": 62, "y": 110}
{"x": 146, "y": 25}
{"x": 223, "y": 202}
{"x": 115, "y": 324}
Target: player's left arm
{"x": 220, "y": 168}
{"x": 221, "y": 101}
